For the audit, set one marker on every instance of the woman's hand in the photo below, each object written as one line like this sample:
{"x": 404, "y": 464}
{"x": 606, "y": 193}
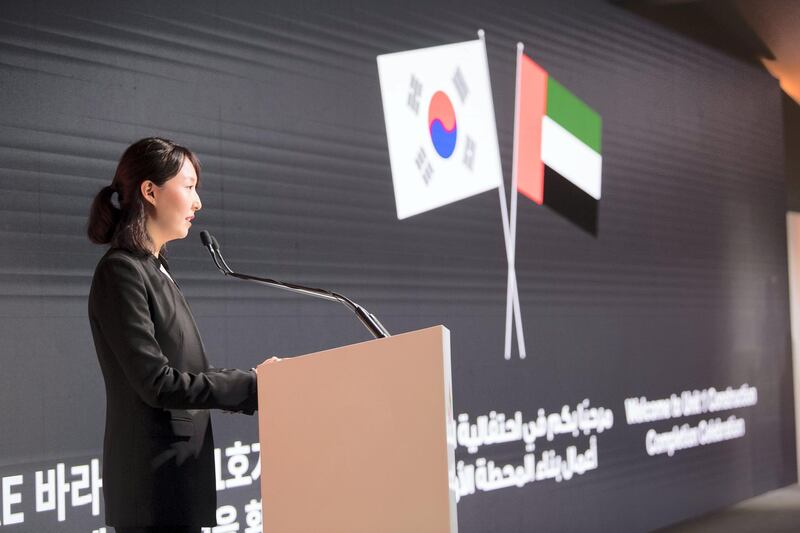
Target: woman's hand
{"x": 253, "y": 370}
{"x": 272, "y": 359}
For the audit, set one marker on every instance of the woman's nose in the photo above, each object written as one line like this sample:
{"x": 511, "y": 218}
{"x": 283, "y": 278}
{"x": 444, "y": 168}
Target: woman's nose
{"x": 197, "y": 203}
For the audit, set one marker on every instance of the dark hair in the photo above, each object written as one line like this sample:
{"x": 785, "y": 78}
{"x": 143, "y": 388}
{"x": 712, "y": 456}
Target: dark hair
{"x": 123, "y": 224}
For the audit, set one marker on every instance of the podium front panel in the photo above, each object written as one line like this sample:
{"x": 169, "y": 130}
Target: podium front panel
{"x": 355, "y": 439}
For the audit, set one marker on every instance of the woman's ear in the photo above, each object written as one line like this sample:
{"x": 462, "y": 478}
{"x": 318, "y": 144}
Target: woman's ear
{"x": 148, "y": 191}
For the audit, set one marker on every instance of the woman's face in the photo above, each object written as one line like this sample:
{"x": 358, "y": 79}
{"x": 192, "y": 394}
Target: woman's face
{"x": 175, "y": 203}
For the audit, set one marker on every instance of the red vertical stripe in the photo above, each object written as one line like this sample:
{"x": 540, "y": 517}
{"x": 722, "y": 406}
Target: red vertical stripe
{"x": 532, "y": 98}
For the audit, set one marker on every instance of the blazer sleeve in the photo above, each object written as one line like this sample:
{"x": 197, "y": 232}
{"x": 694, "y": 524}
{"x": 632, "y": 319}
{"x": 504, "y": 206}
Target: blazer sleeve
{"x": 123, "y": 316}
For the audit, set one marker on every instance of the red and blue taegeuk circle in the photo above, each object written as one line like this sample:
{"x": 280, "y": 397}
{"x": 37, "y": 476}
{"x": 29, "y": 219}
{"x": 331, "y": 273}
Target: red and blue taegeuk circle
{"x": 442, "y": 124}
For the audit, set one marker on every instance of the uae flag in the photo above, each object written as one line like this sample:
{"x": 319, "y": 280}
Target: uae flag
{"x": 557, "y": 136}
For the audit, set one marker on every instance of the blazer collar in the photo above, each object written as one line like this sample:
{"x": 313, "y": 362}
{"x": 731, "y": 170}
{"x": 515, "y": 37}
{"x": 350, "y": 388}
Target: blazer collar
{"x": 157, "y": 262}
{"x": 161, "y": 260}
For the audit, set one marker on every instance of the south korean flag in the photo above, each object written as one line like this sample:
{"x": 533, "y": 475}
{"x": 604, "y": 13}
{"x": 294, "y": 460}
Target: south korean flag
{"x": 440, "y": 126}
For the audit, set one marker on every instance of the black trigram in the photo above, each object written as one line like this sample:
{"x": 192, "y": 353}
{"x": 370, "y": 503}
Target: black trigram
{"x": 461, "y": 85}
{"x": 414, "y": 90}
{"x": 469, "y": 152}
{"x": 424, "y": 166}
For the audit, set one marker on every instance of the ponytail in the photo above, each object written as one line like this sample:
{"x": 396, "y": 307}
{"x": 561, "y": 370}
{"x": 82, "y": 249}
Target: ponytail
{"x": 104, "y": 217}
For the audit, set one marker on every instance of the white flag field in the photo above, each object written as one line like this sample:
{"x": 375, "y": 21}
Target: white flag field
{"x": 440, "y": 126}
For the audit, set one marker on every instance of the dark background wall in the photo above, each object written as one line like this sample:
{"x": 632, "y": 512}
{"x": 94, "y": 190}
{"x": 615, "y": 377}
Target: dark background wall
{"x": 684, "y": 288}
{"x": 791, "y": 132}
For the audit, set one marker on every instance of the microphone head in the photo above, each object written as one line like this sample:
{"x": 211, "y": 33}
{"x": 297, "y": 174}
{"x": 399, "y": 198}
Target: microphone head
{"x": 214, "y": 243}
{"x": 206, "y": 238}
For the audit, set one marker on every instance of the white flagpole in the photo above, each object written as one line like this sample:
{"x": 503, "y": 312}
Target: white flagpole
{"x": 512, "y": 295}
{"x": 512, "y": 292}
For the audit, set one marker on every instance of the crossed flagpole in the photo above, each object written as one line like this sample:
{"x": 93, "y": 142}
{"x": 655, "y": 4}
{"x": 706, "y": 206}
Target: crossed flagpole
{"x": 510, "y": 230}
{"x": 509, "y": 233}
{"x": 512, "y": 292}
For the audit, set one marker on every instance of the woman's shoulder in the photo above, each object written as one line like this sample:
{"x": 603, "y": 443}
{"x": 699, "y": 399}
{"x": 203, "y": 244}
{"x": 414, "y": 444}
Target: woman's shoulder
{"x": 119, "y": 261}
{"x": 117, "y": 255}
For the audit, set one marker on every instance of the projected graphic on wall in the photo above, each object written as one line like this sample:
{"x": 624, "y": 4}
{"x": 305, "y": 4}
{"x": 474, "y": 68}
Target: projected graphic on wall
{"x": 557, "y": 139}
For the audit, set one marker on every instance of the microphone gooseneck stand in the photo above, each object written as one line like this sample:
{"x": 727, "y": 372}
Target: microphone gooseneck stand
{"x": 368, "y": 319}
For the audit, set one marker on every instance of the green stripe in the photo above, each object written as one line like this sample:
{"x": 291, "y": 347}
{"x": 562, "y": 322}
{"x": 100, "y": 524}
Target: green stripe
{"x": 573, "y": 115}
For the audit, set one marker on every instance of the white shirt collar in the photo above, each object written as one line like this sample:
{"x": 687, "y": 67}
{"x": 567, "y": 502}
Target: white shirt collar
{"x": 164, "y": 270}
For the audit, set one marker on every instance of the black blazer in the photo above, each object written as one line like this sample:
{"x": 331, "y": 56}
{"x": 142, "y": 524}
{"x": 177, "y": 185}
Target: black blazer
{"x": 158, "y": 464}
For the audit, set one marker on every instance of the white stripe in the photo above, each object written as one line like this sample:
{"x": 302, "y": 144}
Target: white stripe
{"x": 570, "y": 157}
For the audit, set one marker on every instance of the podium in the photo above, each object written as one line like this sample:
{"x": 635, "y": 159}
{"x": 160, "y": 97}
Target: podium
{"x": 358, "y": 439}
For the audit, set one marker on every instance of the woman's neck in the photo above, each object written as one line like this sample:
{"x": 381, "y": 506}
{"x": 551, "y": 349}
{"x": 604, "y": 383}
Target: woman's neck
{"x": 156, "y": 242}
{"x": 156, "y": 247}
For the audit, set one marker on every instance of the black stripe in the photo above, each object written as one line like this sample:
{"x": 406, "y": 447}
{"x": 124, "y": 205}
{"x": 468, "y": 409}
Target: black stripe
{"x": 570, "y": 201}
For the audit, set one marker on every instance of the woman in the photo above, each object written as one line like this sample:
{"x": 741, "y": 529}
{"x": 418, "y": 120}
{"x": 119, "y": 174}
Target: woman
{"x": 158, "y": 465}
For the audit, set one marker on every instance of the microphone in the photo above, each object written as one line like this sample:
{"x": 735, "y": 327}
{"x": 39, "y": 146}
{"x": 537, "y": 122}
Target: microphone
{"x": 368, "y": 319}
{"x": 211, "y": 243}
